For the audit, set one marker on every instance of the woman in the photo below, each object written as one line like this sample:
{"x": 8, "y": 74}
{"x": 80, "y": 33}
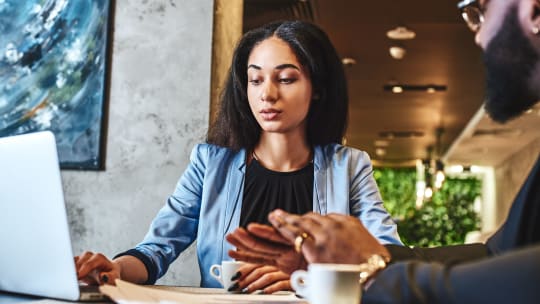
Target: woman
{"x": 275, "y": 144}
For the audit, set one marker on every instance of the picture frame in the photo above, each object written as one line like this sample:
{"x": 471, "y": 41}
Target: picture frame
{"x": 55, "y": 74}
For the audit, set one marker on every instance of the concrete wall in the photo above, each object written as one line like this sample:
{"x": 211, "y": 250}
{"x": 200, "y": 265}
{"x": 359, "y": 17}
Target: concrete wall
{"x": 159, "y": 108}
{"x": 511, "y": 175}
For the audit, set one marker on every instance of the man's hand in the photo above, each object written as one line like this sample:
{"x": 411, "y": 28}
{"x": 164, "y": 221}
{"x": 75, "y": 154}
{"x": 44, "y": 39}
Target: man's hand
{"x": 262, "y": 244}
{"x": 333, "y": 238}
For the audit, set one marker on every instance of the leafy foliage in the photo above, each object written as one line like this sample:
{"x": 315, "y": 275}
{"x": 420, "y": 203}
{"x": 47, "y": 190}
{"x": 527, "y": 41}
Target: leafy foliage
{"x": 444, "y": 220}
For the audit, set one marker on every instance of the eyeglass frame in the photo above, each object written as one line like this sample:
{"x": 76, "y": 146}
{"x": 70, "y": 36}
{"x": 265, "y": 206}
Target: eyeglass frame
{"x": 466, "y": 6}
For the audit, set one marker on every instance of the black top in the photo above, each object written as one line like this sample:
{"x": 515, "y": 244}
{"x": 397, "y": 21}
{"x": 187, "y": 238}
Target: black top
{"x": 266, "y": 190}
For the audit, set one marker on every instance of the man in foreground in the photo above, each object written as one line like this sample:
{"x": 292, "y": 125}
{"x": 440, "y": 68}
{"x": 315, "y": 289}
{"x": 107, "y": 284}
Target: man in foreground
{"x": 504, "y": 270}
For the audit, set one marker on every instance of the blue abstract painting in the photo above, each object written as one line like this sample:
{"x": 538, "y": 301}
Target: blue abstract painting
{"x": 53, "y": 74}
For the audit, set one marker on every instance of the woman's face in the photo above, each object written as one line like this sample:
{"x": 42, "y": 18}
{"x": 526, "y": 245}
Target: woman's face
{"x": 278, "y": 88}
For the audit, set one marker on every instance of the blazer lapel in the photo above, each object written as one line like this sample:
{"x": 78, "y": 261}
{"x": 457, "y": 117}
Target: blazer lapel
{"x": 319, "y": 181}
{"x": 234, "y": 193}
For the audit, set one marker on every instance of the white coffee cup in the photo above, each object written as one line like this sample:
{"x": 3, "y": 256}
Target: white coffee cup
{"x": 328, "y": 283}
{"x": 224, "y": 272}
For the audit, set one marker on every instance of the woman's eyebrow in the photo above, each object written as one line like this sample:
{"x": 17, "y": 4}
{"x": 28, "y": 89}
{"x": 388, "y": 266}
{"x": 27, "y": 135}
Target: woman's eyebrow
{"x": 279, "y": 67}
{"x": 286, "y": 66}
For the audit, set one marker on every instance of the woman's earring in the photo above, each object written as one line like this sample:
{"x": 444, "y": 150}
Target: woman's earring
{"x": 535, "y": 30}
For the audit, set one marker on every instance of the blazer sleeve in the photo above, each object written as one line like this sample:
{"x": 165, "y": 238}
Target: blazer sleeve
{"x": 509, "y": 278}
{"x": 445, "y": 255}
{"x": 365, "y": 201}
{"x": 175, "y": 226}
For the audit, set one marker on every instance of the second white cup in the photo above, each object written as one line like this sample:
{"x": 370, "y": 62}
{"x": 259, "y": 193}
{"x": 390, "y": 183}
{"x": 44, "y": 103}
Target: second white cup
{"x": 328, "y": 283}
{"x": 224, "y": 272}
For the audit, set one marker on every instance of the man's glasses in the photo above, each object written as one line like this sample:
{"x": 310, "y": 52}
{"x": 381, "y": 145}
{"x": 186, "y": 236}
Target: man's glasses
{"x": 472, "y": 14}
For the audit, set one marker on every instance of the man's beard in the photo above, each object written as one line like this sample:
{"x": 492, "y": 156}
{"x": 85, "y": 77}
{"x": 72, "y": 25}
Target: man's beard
{"x": 510, "y": 60}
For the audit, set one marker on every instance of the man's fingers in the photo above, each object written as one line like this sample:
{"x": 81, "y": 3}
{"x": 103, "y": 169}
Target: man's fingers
{"x": 334, "y": 218}
{"x": 340, "y": 217}
{"x": 313, "y": 220}
{"x": 251, "y": 258}
{"x": 282, "y": 222}
{"x": 243, "y": 240}
{"x": 293, "y": 225}
{"x": 318, "y": 225}
{"x": 235, "y": 240}
{"x": 268, "y": 233}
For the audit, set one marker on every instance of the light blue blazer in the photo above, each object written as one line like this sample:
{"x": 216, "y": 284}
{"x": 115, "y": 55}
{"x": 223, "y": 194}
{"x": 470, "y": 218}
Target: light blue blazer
{"x": 207, "y": 203}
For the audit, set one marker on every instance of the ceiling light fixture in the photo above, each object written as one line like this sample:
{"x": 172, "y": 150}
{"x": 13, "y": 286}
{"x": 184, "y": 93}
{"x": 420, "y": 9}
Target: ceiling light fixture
{"x": 400, "y": 134}
{"x": 381, "y": 143}
{"x": 397, "y": 52}
{"x": 380, "y": 152}
{"x": 401, "y": 33}
{"x": 429, "y": 88}
{"x": 348, "y": 61}
{"x": 396, "y": 89}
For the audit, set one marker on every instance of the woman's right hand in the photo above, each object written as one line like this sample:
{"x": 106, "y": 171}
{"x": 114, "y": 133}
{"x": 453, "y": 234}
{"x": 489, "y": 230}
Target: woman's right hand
{"x": 96, "y": 269}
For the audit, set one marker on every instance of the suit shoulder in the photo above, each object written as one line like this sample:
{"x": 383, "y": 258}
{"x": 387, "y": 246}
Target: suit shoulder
{"x": 211, "y": 150}
{"x": 339, "y": 151}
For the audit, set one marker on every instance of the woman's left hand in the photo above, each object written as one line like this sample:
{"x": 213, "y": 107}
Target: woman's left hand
{"x": 267, "y": 278}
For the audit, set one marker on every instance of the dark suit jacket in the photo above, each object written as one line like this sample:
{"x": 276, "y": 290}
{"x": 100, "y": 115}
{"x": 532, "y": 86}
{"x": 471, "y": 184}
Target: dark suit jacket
{"x": 504, "y": 270}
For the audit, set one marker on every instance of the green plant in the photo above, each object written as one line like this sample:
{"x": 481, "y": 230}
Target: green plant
{"x": 444, "y": 220}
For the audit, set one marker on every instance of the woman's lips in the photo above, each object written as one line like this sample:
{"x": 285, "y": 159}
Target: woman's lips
{"x": 269, "y": 114}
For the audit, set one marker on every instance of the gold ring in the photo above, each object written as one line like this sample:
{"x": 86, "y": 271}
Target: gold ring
{"x": 299, "y": 240}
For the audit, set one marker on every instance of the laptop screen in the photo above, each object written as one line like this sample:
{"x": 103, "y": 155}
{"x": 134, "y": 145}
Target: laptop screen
{"x": 35, "y": 256}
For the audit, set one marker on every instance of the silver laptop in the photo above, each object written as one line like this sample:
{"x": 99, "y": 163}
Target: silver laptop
{"x": 36, "y": 257}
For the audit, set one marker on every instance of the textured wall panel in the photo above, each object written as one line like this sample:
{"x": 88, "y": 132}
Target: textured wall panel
{"x": 159, "y": 105}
